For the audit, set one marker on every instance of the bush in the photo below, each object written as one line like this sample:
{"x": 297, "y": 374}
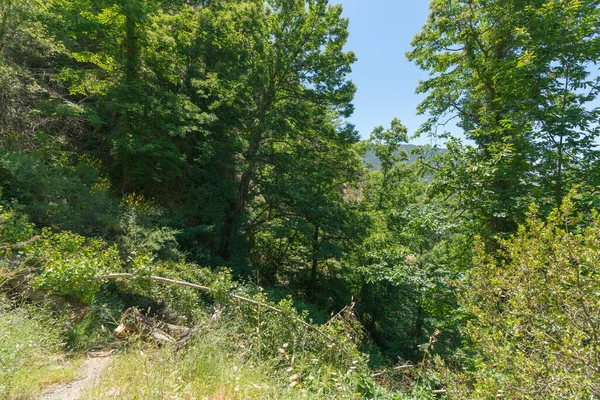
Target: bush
{"x": 536, "y": 313}
{"x": 57, "y": 195}
{"x": 14, "y": 228}
{"x": 138, "y": 238}
{"x": 71, "y": 265}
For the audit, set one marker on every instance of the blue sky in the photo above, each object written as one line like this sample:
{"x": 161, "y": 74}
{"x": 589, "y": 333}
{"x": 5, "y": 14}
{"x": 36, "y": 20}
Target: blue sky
{"x": 380, "y": 35}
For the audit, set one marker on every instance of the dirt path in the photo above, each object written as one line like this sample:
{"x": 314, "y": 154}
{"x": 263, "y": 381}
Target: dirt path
{"x": 91, "y": 370}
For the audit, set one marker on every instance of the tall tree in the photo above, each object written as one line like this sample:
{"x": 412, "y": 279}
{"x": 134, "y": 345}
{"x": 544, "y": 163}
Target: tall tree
{"x": 386, "y": 145}
{"x": 518, "y": 76}
{"x": 198, "y": 105}
{"x": 291, "y": 74}
{"x": 128, "y": 61}
{"x": 308, "y": 209}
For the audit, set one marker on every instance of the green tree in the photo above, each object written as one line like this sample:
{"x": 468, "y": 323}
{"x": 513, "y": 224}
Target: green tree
{"x": 289, "y": 77}
{"x": 309, "y": 210}
{"x": 516, "y": 75}
{"x": 129, "y": 61}
{"x": 199, "y": 106}
{"x": 386, "y": 146}
{"x": 404, "y": 271}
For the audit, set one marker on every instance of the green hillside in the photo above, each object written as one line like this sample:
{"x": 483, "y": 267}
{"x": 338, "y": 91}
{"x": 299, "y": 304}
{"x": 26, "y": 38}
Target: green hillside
{"x": 186, "y": 211}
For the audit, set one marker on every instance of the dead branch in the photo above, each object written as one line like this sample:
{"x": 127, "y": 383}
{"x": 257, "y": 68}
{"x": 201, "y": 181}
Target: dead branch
{"x": 349, "y": 307}
{"x": 407, "y": 366}
{"x": 235, "y": 296}
{"x": 186, "y": 338}
{"x": 19, "y": 245}
{"x": 134, "y": 322}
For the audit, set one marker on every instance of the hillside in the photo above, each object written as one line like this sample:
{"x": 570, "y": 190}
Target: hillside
{"x": 186, "y": 213}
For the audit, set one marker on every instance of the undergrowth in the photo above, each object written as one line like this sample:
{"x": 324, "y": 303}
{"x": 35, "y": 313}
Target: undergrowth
{"x": 256, "y": 348}
{"x": 31, "y": 340}
{"x": 219, "y": 364}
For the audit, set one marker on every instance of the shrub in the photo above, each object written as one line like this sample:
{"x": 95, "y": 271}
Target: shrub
{"x": 58, "y": 195}
{"x": 536, "y": 313}
{"x": 72, "y": 265}
{"x": 138, "y": 238}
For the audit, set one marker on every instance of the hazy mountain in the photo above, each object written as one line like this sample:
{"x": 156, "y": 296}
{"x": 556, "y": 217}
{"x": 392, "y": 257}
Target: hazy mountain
{"x": 372, "y": 160}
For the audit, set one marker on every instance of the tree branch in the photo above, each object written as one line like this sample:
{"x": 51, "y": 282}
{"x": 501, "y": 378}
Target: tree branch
{"x": 235, "y": 296}
{"x": 19, "y": 245}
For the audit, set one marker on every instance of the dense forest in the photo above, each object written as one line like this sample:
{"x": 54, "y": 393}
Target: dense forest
{"x": 208, "y": 142}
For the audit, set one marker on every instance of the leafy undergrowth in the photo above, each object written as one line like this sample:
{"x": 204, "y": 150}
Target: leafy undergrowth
{"x": 258, "y": 349}
{"x": 31, "y": 340}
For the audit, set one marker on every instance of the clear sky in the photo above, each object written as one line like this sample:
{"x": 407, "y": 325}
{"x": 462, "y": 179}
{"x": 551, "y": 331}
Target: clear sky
{"x": 380, "y": 35}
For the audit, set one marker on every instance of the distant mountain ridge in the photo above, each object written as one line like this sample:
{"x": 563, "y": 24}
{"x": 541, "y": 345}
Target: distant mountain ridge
{"x": 375, "y": 163}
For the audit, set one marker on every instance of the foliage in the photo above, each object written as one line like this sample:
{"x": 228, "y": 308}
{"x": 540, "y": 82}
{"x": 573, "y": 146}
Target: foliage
{"x": 14, "y": 228}
{"x": 72, "y": 265}
{"x": 59, "y": 195}
{"x": 96, "y": 328}
{"x": 255, "y": 352}
{"x": 535, "y": 314}
{"x": 208, "y": 142}
{"x": 516, "y": 76}
{"x": 406, "y": 269}
{"x": 143, "y": 238}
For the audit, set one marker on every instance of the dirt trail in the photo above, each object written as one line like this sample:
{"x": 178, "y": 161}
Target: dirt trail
{"x": 91, "y": 369}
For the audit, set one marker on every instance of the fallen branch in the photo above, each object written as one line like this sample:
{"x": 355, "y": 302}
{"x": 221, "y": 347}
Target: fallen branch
{"x": 406, "y": 366}
{"x": 235, "y": 296}
{"x": 134, "y": 322}
{"x": 375, "y": 375}
{"x": 19, "y": 245}
{"x": 187, "y": 337}
{"x": 349, "y": 307}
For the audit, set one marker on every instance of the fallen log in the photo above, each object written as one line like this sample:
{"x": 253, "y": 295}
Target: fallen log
{"x": 133, "y": 322}
{"x": 235, "y": 296}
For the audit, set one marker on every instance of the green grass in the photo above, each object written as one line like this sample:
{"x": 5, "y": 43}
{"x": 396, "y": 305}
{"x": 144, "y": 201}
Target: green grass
{"x": 221, "y": 362}
{"x": 210, "y": 368}
{"x": 30, "y": 352}
{"x": 216, "y": 366}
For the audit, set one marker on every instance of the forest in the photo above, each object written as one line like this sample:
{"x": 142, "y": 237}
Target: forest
{"x": 193, "y": 161}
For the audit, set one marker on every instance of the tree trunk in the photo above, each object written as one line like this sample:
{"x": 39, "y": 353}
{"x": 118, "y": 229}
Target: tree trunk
{"x": 559, "y": 177}
{"x": 232, "y": 221}
{"x": 383, "y": 189}
{"x": 4, "y": 23}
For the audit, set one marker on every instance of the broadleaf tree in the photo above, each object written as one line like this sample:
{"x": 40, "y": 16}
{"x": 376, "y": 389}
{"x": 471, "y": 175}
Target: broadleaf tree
{"x": 519, "y": 77}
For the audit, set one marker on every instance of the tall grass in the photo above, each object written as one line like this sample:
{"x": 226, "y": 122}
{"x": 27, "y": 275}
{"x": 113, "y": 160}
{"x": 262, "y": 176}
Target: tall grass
{"x": 30, "y": 351}
{"x": 212, "y": 367}
{"x": 218, "y": 366}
